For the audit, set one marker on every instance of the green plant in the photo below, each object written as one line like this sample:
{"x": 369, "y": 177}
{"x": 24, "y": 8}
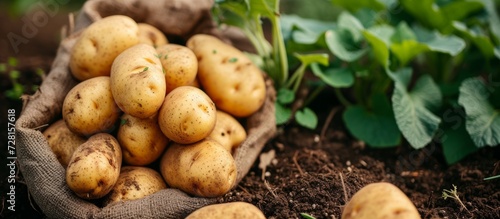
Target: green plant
{"x": 307, "y": 216}
{"x": 492, "y": 177}
{"x": 453, "y": 194}
{"x": 422, "y": 70}
{"x": 18, "y": 89}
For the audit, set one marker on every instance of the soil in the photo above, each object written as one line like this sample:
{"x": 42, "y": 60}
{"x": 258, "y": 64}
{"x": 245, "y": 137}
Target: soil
{"x": 315, "y": 173}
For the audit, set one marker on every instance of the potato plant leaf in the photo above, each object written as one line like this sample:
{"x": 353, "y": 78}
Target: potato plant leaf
{"x": 283, "y": 113}
{"x": 379, "y": 38}
{"x": 457, "y": 144}
{"x": 482, "y": 120}
{"x": 306, "y": 118}
{"x": 340, "y": 43}
{"x": 285, "y": 96}
{"x": 377, "y": 127}
{"x": 480, "y": 40}
{"x": 412, "y": 110}
{"x": 355, "y": 5}
{"x": 335, "y": 77}
{"x": 438, "y": 42}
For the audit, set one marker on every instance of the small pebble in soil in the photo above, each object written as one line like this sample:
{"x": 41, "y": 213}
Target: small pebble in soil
{"x": 274, "y": 161}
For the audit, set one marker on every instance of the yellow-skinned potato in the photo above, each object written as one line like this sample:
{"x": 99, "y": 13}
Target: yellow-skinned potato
{"x": 228, "y": 131}
{"x": 380, "y": 201}
{"x": 135, "y": 183}
{"x": 150, "y": 35}
{"x": 179, "y": 63}
{"x": 202, "y": 169}
{"x": 62, "y": 141}
{"x": 99, "y": 44}
{"x": 137, "y": 81}
{"x": 142, "y": 140}
{"x": 187, "y": 115}
{"x": 234, "y": 83}
{"x": 232, "y": 210}
{"x": 89, "y": 107}
{"x": 94, "y": 167}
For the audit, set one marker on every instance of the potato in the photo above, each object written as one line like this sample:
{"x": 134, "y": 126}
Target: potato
{"x": 232, "y": 210}
{"x": 94, "y": 167}
{"x": 202, "y": 169}
{"x": 380, "y": 200}
{"x": 179, "y": 63}
{"x": 137, "y": 81}
{"x": 234, "y": 83}
{"x": 135, "y": 183}
{"x": 141, "y": 140}
{"x": 89, "y": 107}
{"x": 150, "y": 35}
{"x": 62, "y": 141}
{"x": 99, "y": 44}
{"x": 187, "y": 115}
{"x": 228, "y": 131}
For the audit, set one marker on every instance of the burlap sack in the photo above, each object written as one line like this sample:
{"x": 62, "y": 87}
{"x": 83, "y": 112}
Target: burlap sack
{"x": 43, "y": 174}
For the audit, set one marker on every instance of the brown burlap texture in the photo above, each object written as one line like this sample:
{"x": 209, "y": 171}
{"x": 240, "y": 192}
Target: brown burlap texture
{"x": 43, "y": 174}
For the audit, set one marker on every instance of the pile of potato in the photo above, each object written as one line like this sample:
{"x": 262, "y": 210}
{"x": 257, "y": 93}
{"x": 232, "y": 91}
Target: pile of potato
{"x": 148, "y": 114}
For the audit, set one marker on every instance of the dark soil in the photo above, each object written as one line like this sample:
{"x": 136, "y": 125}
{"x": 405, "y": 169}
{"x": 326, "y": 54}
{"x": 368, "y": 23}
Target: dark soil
{"x": 311, "y": 173}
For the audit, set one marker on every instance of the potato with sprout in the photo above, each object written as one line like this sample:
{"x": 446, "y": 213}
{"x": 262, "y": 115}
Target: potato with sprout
{"x": 137, "y": 81}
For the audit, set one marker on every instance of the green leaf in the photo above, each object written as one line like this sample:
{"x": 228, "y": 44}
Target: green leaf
{"x": 480, "y": 40}
{"x": 457, "y": 144}
{"x": 338, "y": 43}
{"x": 352, "y": 24}
{"x": 335, "y": 77}
{"x": 358, "y": 4}
{"x": 306, "y": 118}
{"x": 16, "y": 92}
{"x": 494, "y": 20}
{"x": 430, "y": 14}
{"x": 379, "y": 39}
{"x": 482, "y": 120}
{"x": 307, "y": 216}
{"x": 412, "y": 110}
{"x": 377, "y": 127}
{"x": 14, "y": 74}
{"x": 403, "y": 33}
{"x": 285, "y": 96}
{"x": 304, "y": 30}
{"x": 439, "y": 43}
{"x": 12, "y": 61}
{"x": 407, "y": 50}
{"x": 307, "y": 59}
{"x": 283, "y": 113}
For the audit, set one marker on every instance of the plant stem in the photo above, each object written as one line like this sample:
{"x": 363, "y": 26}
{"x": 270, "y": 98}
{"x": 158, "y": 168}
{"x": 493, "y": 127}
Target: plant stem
{"x": 314, "y": 94}
{"x": 279, "y": 48}
{"x": 341, "y": 98}
{"x": 296, "y": 78}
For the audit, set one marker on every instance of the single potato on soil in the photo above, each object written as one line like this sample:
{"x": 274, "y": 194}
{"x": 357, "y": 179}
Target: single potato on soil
{"x": 141, "y": 140}
{"x": 232, "y": 210}
{"x": 380, "y": 201}
{"x": 89, "y": 107}
{"x": 188, "y": 115}
{"x": 99, "y": 44}
{"x": 204, "y": 169}
{"x": 137, "y": 81}
{"x": 94, "y": 167}
{"x": 135, "y": 183}
{"x": 228, "y": 76}
{"x": 180, "y": 65}
{"x": 62, "y": 141}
